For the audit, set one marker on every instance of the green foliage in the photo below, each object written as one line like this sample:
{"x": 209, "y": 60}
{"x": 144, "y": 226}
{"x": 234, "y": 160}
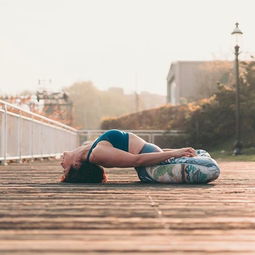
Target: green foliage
{"x": 165, "y": 117}
{"x": 226, "y": 154}
{"x": 214, "y": 122}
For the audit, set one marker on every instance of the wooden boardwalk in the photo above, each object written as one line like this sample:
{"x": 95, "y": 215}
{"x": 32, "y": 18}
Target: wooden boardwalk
{"x": 39, "y": 215}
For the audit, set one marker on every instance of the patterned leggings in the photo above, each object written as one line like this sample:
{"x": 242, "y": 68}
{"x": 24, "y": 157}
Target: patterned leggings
{"x": 199, "y": 169}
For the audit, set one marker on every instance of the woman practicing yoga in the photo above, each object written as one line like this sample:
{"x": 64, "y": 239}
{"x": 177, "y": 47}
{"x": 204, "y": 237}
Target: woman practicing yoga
{"x": 117, "y": 148}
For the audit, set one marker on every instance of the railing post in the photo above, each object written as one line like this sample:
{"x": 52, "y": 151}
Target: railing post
{"x": 4, "y": 136}
{"x": 152, "y": 138}
{"x": 88, "y": 135}
{"x": 31, "y": 139}
{"x": 41, "y": 138}
{"x": 78, "y": 139}
{"x": 19, "y": 142}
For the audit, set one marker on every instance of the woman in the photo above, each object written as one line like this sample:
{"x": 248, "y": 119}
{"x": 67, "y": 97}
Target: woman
{"x": 117, "y": 148}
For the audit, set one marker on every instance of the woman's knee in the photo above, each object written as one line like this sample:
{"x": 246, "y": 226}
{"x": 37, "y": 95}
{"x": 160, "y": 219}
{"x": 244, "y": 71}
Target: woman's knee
{"x": 201, "y": 173}
{"x": 193, "y": 170}
{"x": 203, "y": 153}
{"x": 199, "y": 169}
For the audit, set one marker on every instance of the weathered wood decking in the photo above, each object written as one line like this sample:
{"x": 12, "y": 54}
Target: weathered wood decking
{"x": 41, "y": 216}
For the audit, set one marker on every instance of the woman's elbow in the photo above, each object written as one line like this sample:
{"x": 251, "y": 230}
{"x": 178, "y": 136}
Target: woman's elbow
{"x": 138, "y": 161}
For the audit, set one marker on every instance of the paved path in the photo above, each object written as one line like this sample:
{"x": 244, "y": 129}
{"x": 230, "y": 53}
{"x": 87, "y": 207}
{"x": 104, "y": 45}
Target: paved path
{"x": 38, "y": 215}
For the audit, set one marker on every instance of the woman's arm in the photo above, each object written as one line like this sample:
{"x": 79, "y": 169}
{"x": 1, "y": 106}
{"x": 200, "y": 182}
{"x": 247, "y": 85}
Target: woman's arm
{"x": 168, "y": 149}
{"x": 109, "y": 156}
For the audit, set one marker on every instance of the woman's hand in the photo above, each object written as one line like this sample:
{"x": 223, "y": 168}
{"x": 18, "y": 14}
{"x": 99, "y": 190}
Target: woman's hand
{"x": 184, "y": 152}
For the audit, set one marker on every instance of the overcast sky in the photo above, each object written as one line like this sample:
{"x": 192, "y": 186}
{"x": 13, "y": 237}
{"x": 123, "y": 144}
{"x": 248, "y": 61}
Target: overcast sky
{"x": 124, "y": 43}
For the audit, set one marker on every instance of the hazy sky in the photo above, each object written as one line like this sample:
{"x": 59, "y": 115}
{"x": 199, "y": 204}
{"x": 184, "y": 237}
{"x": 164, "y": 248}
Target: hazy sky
{"x": 124, "y": 43}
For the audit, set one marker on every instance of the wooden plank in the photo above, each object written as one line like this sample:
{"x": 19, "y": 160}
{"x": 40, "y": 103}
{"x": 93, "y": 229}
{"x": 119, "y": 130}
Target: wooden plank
{"x": 40, "y": 215}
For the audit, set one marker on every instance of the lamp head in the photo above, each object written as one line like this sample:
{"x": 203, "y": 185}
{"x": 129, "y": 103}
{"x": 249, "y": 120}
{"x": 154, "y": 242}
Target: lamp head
{"x": 237, "y": 33}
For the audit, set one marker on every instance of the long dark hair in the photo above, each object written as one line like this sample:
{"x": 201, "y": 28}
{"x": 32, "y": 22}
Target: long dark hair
{"x": 87, "y": 173}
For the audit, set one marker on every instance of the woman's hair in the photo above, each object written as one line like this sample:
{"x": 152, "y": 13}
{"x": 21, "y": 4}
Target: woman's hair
{"x": 87, "y": 173}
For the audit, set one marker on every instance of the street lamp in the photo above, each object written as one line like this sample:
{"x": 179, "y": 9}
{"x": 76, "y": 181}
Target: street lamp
{"x": 237, "y": 33}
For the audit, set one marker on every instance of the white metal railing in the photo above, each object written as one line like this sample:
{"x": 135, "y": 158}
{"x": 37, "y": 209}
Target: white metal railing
{"x": 24, "y": 134}
{"x": 148, "y": 135}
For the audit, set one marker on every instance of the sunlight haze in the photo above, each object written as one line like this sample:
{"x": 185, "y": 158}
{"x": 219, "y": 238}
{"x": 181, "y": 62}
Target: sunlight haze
{"x": 120, "y": 43}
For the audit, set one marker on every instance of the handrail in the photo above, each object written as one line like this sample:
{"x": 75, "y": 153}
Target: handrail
{"x": 160, "y": 131}
{"x": 38, "y": 116}
{"x": 151, "y": 134}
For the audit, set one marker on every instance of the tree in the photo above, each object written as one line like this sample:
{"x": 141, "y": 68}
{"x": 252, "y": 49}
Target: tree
{"x": 92, "y": 105}
{"x": 214, "y": 122}
{"x": 212, "y": 73}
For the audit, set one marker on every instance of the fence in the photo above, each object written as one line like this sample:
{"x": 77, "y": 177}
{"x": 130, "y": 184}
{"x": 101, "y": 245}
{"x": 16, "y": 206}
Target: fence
{"x": 27, "y": 135}
{"x": 162, "y": 138}
{"x": 24, "y": 134}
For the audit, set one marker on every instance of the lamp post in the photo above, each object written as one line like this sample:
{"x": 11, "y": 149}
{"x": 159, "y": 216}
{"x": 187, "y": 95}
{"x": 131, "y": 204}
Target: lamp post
{"x": 237, "y": 145}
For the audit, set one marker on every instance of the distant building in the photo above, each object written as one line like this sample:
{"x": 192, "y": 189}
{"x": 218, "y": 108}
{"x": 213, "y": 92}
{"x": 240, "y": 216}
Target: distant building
{"x": 56, "y": 105}
{"x": 28, "y": 103}
{"x": 186, "y": 78}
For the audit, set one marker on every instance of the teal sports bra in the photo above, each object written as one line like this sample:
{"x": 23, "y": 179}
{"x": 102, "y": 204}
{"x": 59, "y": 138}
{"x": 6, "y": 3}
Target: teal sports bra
{"x": 117, "y": 138}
